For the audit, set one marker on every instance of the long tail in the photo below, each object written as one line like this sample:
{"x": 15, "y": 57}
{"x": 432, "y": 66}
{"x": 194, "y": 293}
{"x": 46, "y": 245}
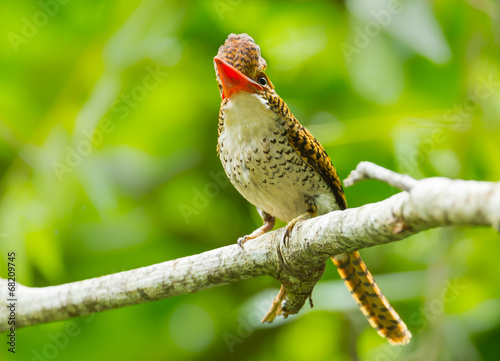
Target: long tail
{"x": 371, "y": 301}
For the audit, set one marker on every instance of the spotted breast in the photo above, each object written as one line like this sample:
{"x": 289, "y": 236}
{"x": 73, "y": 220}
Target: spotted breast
{"x": 260, "y": 162}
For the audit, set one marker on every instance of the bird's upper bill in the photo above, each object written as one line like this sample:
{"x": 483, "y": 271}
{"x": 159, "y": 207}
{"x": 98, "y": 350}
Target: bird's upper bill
{"x": 238, "y": 63}
{"x": 233, "y": 80}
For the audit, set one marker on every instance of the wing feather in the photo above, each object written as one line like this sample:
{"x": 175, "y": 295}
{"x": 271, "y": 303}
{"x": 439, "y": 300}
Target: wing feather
{"x": 309, "y": 149}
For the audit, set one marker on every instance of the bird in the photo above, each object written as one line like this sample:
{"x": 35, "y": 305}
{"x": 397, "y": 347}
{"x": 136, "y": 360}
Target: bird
{"x": 277, "y": 165}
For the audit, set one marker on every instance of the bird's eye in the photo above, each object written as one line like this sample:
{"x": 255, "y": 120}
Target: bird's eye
{"x": 262, "y": 80}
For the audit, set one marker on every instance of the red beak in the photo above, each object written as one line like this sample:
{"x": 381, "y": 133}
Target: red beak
{"x": 234, "y": 80}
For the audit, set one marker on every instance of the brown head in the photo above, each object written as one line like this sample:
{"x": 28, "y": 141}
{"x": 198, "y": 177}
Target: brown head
{"x": 240, "y": 67}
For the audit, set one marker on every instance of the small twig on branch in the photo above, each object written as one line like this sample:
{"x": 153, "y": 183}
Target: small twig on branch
{"x": 425, "y": 204}
{"x": 368, "y": 170}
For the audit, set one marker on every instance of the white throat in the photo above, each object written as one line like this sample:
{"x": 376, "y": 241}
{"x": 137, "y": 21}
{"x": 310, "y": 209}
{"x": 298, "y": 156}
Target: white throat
{"x": 246, "y": 115}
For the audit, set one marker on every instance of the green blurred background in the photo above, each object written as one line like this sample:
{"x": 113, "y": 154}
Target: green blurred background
{"x": 413, "y": 86}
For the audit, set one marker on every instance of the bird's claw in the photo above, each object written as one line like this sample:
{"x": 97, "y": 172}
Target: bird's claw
{"x": 286, "y": 236}
{"x": 242, "y": 240}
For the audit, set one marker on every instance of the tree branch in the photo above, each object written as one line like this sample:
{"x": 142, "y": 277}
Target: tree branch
{"x": 298, "y": 265}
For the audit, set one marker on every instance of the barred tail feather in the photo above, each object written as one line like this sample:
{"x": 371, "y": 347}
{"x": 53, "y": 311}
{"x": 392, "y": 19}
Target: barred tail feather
{"x": 371, "y": 301}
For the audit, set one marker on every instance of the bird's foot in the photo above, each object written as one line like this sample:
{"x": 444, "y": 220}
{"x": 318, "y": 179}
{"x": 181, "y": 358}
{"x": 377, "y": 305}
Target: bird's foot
{"x": 291, "y": 224}
{"x": 269, "y": 222}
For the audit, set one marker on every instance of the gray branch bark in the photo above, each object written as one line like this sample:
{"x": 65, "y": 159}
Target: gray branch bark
{"x": 298, "y": 265}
